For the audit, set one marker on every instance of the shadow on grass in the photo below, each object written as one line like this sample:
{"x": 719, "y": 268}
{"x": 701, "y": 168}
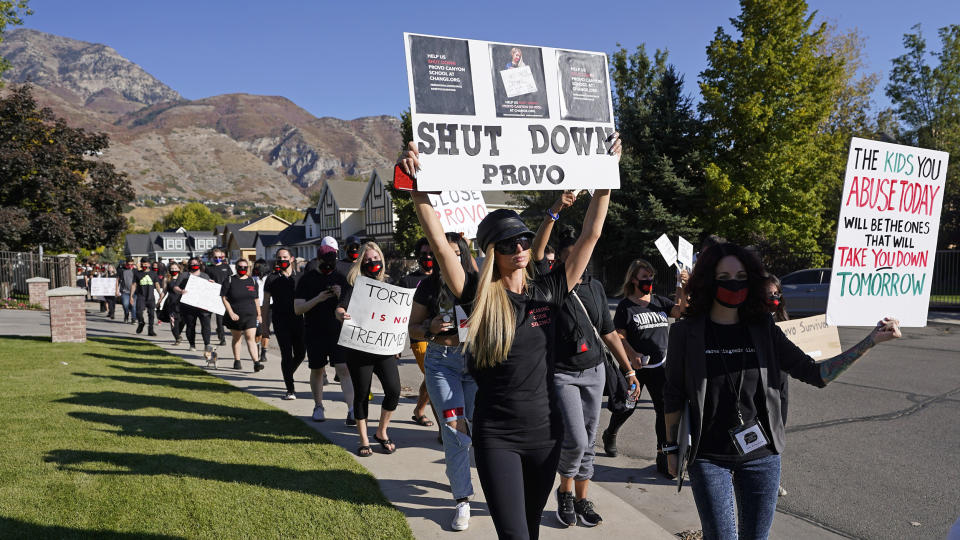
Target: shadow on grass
{"x": 44, "y": 339}
{"x": 332, "y": 484}
{"x": 167, "y": 382}
{"x": 118, "y": 340}
{"x": 15, "y": 528}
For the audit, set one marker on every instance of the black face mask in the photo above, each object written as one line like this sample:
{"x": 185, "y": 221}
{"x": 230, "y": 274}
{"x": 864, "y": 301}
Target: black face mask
{"x": 353, "y": 252}
{"x": 644, "y": 286}
{"x": 372, "y": 268}
{"x": 328, "y": 263}
{"x": 283, "y": 265}
{"x": 732, "y": 293}
{"x": 194, "y": 267}
{"x": 426, "y": 261}
{"x": 174, "y": 273}
{"x": 242, "y": 270}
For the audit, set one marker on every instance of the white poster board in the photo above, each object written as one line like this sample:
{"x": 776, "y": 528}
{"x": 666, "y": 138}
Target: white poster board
{"x": 459, "y": 211}
{"x": 103, "y": 286}
{"x": 203, "y": 294}
{"x": 379, "y": 313}
{"x": 887, "y": 234}
{"x": 504, "y": 117}
{"x": 685, "y": 252}
{"x": 667, "y": 250}
{"x": 814, "y": 336}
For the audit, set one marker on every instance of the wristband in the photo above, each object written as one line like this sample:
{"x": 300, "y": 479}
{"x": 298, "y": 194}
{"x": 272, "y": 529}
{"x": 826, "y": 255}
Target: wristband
{"x": 668, "y": 450}
{"x": 552, "y": 215}
{"x": 630, "y": 373}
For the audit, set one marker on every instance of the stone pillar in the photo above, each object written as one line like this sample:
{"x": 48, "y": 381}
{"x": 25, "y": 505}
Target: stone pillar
{"x": 68, "y": 315}
{"x": 37, "y": 287}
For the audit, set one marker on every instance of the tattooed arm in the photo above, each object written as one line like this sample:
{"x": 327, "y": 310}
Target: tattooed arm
{"x": 886, "y": 330}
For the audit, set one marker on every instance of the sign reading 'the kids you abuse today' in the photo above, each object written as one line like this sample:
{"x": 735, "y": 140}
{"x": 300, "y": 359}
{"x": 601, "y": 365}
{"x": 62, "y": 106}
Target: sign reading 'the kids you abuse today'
{"x": 887, "y": 234}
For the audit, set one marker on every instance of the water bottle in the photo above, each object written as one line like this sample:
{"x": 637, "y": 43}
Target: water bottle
{"x": 631, "y": 401}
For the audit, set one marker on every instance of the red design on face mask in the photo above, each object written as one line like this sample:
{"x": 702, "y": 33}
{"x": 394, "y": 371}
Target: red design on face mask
{"x": 732, "y": 298}
{"x": 428, "y": 264}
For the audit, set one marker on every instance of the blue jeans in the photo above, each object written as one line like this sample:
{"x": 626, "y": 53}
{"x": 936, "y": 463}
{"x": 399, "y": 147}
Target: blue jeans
{"x": 125, "y": 302}
{"x": 452, "y": 391}
{"x": 736, "y": 500}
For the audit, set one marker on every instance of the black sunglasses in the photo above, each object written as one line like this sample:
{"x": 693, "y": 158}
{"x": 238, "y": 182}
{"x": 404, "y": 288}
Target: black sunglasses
{"x": 508, "y": 246}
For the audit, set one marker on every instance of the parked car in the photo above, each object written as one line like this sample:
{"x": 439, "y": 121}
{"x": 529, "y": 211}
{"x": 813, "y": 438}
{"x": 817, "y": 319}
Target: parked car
{"x": 805, "y": 291}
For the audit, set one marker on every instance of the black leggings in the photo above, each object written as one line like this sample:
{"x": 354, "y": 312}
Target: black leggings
{"x": 146, "y": 303}
{"x": 176, "y": 322}
{"x": 362, "y": 366}
{"x": 289, "y": 334}
{"x": 190, "y": 316}
{"x": 653, "y": 379}
{"x": 511, "y": 478}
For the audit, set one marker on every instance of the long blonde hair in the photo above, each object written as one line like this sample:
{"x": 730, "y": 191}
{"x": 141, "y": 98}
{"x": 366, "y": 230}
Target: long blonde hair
{"x": 355, "y": 267}
{"x": 493, "y": 324}
{"x": 627, "y": 289}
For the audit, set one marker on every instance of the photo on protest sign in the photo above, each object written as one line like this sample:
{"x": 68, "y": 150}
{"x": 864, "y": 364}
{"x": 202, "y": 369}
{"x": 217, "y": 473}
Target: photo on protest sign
{"x": 814, "y": 336}
{"x": 519, "y": 89}
{"x": 459, "y": 211}
{"x": 583, "y": 85}
{"x": 512, "y": 136}
{"x": 887, "y": 234}
{"x": 103, "y": 286}
{"x": 441, "y": 69}
{"x": 203, "y": 294}
{"x": 379, "y": 313}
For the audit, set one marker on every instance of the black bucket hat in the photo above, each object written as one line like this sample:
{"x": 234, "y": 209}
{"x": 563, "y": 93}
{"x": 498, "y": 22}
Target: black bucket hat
{"x": 500, "y": 225}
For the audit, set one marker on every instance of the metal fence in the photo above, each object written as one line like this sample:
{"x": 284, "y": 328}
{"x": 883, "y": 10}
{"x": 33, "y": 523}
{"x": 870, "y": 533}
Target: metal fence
{"x": 16, "y": 268}
{"x": 945, "y": 289}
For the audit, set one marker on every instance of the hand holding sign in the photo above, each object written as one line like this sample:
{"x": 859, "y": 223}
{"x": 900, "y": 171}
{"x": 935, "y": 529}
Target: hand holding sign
{"x": 376, "y": 319}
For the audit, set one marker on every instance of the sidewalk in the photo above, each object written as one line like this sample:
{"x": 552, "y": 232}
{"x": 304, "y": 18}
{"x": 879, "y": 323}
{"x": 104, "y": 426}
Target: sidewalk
{"x": 413, "y": 478}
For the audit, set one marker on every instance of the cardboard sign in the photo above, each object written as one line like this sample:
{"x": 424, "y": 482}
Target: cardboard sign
{"x": 685, "y": 252}
{"x": 667, "y": 250}
{"x": 459, "y": 211}
{"x": 379, "y": 313}
{"x": 498, "y": 116}
{"x": 203, "y": 294}
{"x": 103, "y": 286}
{"x": 887, "y": 234}
{"x": 814, "y": 336}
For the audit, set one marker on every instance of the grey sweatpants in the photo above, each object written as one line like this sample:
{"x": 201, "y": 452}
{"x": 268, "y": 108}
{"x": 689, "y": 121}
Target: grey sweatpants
{"x": 579, "y": 395}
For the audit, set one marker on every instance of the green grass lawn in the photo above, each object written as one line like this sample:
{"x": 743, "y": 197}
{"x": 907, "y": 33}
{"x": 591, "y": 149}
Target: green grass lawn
{"x": 115, "y": 438}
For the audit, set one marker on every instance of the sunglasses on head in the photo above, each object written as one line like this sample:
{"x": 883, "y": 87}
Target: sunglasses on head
{"x": 508, "y": 246}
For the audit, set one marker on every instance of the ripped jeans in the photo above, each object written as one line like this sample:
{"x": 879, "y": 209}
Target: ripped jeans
{"x": 452, "y": 391}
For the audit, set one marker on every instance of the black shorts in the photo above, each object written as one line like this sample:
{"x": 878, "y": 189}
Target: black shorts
{"x": 245, "y": 322}
{"x": 322, "y": 350}
{"x": 264, "y": 329}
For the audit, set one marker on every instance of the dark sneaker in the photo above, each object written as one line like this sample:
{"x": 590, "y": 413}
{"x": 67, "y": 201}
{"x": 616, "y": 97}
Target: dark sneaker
{"x": 662, "y": 466}
{"x": 609, "y": 443}
{"x": 140, "y": 327}
{"x": 584, "y": 510}
{"x": 565, "y": 511}
{"x": 236, "y": 365}
{"x": 351, "y": 421}
{"x": 223, "y": 342}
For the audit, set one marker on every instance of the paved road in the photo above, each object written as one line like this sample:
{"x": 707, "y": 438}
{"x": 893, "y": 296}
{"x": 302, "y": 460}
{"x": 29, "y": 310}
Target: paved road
{"x": 869, "y": 456}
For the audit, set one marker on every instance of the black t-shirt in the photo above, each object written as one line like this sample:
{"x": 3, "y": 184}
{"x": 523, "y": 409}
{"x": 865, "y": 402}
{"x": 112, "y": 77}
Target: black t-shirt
{"x": 729, "y": 352}
{"x": 647, "y": 327}
{"x": 145, "y": 282}
{"x": 173, "y": 297}
{"x": 515, "y": 403}
{"x": 413, "y": 279}
{"x": 219, "y": 272}
{"x": 242, "y": 294}
{"x": 575, "y": 331}
{"x": 434, "y": 294}
{"x": 343, "y": 267}
{"x": 321, "y": 318}
{"x": 282, "y": 290}
{"x": 545, "y": 265}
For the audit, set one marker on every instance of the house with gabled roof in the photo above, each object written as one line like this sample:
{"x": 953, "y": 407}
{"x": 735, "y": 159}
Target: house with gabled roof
{"x": 378, "y": 216}
{"x": 338, "y": 212}
{"x": 239, "y": 239}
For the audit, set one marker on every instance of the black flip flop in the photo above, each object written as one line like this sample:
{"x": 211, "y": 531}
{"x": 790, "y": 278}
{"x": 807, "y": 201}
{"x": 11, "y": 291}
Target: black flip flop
{"x": 366, "y": 448}
{"x": 384, "y": 443}
{"x": 422, "y": 420}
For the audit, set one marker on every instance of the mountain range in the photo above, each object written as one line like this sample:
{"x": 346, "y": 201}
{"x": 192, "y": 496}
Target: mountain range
{"x": 231, "y": 147}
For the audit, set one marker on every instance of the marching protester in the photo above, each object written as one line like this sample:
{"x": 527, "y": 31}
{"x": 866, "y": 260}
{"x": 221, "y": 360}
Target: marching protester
{"x": 642, "y": 321}
{"x": 517, "y": 425}
{"x": 425, "y": 268}
{"x": 125, "y": 282}
{"x": 145, "y": 282}
{"x": 219, "y": 272}
{"x": 584, "y": 329}
{"x": 110, "y": 271}
{"x": 452, "y": 390}
{"x": 777, "y": 307}
{"x": 315, "y": 297}
{"x": 241, "y": 297}
{"x": 725, "y": 363}
{"x": 172, "y": 303}
{"x": 192, "y": 314}
{"x": 364, "y": 365}
{"x": 278, "y": 307}
{"x": 261, "y": 270}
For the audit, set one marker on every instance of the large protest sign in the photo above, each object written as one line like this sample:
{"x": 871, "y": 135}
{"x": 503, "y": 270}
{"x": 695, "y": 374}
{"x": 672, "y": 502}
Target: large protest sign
{"x": 667, "y": 250}
{"x": 103, "y": 286}
{"x": 501, "y": 116}
{"x": 379, "y": 314}
{"x": 459, "y": 211}
{"x": 814, "y": 336}
{"x": 203, "y": 294}
{"x": 886, "y": 234}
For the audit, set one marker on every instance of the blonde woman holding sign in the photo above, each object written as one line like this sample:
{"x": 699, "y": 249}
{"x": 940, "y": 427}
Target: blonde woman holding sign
{"x": 517, "y": 426}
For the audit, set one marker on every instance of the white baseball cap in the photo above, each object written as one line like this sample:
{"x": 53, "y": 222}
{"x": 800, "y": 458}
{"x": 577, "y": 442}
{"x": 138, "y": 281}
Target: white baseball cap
{"x": 328, "y": 244}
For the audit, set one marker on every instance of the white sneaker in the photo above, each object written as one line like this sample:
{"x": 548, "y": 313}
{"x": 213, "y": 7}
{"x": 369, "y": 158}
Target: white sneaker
{"x": 461, "y": 519}
{"x": 318, "y": 414}
{"x": 289, "y": 396}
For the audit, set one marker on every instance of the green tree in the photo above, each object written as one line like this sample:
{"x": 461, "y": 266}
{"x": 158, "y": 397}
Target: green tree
{"x": 290, "y": 214}
{"x": 927, "y": 103}
{"x": 12, "y": 13}
{"x": 407, "y": 229}
{"x": 51, "y": 192}
{"x": 767, "y": 97}
{"x": 192, "y": 217}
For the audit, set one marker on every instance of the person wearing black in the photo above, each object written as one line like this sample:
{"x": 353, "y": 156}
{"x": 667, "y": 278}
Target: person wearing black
{"x": 363, "y": 365}
{"x": 193, "y": 314}
{"x": 146, "y": 281}
{"x": 110, "y": 271}
{"x": 316, "y": 299}
{"x": 241, "y": 298}
{"x": 125, "y": 282}
{"x": 725, "y": 361}
{"x": 581, "y": 376}
{"x": 219, "y": 272}
{"x": 425, "y": 268}
{"x": 642, "y": 320}
{"x": 261, "y": 270}
{"x": 172, "y": 303}
{"x": 510, "y": 348}
{"x": 279, "y": 290}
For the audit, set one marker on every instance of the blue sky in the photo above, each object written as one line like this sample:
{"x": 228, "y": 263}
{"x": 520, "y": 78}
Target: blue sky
{"x": 345, "y": 59}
